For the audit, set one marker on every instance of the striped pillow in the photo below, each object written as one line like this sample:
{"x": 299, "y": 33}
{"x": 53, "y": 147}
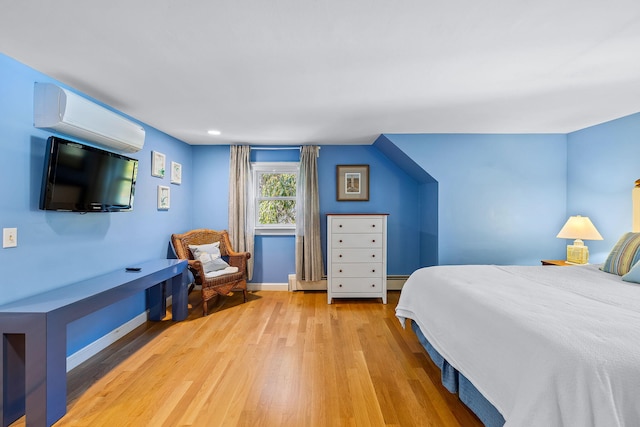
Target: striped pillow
{"x": 623, "y": 255}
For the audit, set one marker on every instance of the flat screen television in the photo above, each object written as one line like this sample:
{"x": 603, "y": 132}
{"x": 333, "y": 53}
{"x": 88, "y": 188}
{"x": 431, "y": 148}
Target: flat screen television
{"x": 81, "y": 178}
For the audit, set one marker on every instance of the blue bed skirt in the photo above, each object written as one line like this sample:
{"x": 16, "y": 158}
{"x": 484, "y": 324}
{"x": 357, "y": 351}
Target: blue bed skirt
{"x": 455, "y": 382}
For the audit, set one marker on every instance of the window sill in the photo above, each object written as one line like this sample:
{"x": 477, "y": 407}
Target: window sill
{"x": 275, "y": 231}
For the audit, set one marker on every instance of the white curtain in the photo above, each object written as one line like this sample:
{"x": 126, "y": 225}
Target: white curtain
{"x": 241, "y": 226}
{"x": 309, "y": 266}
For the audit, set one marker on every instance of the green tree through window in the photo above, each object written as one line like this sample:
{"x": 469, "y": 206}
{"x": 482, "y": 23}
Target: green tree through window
{"x": 277, "y": 198}
{"x": 274, "y": 194}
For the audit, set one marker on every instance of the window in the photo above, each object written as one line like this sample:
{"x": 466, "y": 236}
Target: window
{"x": 274, "y": 189}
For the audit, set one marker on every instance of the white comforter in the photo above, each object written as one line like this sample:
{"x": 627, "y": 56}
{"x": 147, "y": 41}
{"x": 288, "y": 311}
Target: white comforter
{"x": 547, "y": 346}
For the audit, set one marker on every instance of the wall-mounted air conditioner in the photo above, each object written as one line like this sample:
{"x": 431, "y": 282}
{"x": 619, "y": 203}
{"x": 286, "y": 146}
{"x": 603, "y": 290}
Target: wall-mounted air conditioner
{"x": 70, "y": 114}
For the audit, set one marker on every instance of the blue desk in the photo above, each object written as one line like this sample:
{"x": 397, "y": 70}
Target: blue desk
{"x": 33, "y": 341}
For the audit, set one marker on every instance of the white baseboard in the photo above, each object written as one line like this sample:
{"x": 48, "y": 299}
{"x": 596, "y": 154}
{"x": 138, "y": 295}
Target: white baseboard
{"x": 303, "y": 285}
{"x": 267, "y": 286}
{"x": 105, "y": 341}
{"x": 395, "y": 283}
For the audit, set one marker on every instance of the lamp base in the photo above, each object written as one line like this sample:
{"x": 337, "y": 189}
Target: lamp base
{"x": 577, "y": 254}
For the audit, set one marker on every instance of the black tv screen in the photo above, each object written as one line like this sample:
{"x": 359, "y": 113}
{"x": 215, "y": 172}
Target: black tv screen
{"x": 81, "y": 178}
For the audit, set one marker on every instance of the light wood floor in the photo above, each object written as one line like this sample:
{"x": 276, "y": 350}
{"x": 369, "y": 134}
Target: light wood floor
{"x": 281, "y": 359}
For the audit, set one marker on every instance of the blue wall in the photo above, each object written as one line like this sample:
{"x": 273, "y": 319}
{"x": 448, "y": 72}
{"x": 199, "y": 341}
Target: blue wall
{"x": 501, "y": 198}
{"x": 58, "y": 248}
{"x": 427, "y": 200}
{"x": 210, "y": 190}
{"x": 429, "y": 224}
{"x": 603, "y": 164}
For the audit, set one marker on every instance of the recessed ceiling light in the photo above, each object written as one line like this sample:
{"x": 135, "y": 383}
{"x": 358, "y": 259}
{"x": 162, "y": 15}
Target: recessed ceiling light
{"x": 213, "y": 132}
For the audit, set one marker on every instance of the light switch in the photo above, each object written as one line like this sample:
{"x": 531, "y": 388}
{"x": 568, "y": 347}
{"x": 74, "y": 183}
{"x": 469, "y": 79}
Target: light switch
{"x": 9, "y": 237}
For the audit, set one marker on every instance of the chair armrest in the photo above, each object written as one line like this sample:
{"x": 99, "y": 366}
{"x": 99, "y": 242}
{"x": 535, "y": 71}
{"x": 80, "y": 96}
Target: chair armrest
{"x": 228, "y": 248}
{"x": 245, "y": 255}
{"x": 239, "y": 259}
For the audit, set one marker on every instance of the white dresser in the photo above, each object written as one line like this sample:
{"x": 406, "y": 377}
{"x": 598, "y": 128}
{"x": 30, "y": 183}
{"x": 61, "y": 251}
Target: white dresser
{"x": 357, "y": 256}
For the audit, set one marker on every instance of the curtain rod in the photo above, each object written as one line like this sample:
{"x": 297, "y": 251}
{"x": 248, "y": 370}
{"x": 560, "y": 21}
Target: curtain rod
{"x": 275, "y": 148}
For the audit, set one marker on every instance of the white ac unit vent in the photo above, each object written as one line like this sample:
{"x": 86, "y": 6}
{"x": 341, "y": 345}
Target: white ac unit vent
{"x": 70, "y": 114}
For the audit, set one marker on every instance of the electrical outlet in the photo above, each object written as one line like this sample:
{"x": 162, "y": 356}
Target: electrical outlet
{"x": 9, "y": 237}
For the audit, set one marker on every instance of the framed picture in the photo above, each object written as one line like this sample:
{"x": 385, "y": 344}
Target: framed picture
{"x": 158, "y": 162}
{"x": 352, "y": 183}
{"x": 164, "y": 197}
{"x": 176, "y": 173}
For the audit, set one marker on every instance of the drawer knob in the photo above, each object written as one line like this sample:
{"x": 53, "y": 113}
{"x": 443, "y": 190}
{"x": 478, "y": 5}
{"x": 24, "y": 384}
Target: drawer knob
{"x": 373, "y": 241}
{"x": 373, "y": 271}
{"x": 340, "y": 270}
{"x": 373, "y": 256}
{"x": 340, "y": 256}
{"x": 340, "y": 240}
{"x": 340, "y": 226}
{"x": 374, "y": 226}
{"x": 373, "y": 286}
{"x": 340, "y": 285}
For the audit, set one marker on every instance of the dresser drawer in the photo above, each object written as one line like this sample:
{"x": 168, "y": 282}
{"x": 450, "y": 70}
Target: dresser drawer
{"x": 367, "y": 255}
{"x": 356, "y": 285}
{"x": 356, "y": 270}
{"x": 356, "y": 240}
{"x": 357, "y": 225}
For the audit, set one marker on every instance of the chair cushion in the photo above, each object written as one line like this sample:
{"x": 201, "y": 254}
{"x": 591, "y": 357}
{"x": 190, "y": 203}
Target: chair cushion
{"x": 228, "y": 270}
{"x": 209, "y": 256}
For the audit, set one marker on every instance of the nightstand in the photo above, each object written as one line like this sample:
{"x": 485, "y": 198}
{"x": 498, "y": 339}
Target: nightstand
{"x": 559, "y": 262}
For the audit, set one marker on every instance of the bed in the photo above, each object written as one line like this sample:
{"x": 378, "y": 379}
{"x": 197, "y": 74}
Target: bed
{"x": 535, "y": 345}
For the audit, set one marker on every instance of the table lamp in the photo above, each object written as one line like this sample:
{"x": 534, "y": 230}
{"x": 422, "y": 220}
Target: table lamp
{"x": 578, "y": 227}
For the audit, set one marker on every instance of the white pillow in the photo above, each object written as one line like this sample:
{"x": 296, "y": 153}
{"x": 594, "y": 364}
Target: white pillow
{"x": 209, "y": 256}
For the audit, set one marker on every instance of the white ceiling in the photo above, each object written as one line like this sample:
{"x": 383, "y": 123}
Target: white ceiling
{"x": 338, "y": 71}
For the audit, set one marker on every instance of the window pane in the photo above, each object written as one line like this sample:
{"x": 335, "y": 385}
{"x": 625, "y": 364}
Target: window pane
{"x": 274, "y": 185}
{"x": 277, "y": 212}
{"x": 277, "y": 185}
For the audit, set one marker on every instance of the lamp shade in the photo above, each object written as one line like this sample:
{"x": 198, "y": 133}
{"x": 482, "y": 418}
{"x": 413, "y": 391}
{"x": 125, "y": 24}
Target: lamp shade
{"x": 579, "y": 227}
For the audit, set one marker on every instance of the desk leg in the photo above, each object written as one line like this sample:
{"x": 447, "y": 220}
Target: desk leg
{"x": 157, "y": 302}
{"x": 12, "y": 377}
{"x": 51, "y": 375}
{"x": 24, "y": 359}
{"x": 179, "y": 297}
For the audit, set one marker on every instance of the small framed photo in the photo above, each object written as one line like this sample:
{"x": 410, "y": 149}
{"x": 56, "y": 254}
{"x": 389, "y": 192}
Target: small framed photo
{"x": 352, "y": 183}
{"x": 176, "y": 173}
{"x": 164, "y": 197}
{"x": 158, "y": 164}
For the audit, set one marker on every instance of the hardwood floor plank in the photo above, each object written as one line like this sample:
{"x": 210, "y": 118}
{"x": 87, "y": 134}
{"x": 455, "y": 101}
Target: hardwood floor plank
{"x": 280, "y": 359}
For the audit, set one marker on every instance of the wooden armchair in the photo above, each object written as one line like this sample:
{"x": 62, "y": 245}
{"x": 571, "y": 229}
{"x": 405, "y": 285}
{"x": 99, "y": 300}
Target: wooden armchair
{"x": 213, "y": 286}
